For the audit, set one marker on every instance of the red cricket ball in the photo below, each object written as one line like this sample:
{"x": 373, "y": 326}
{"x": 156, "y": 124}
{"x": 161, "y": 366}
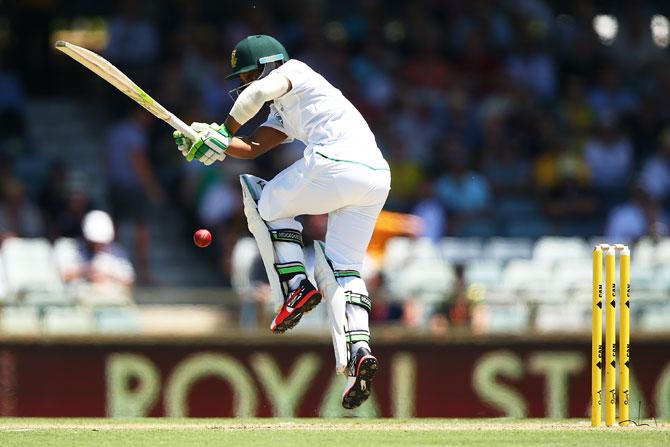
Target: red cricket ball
{"x": 202, "y": 238}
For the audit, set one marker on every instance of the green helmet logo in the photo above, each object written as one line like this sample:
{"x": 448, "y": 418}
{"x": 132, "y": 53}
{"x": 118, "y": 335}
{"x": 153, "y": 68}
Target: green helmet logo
{"x": 233, "y": 59}
{"x": 253, "y": 52}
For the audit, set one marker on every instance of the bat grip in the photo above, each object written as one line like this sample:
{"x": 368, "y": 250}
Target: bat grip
{"x": 182, "y": 127}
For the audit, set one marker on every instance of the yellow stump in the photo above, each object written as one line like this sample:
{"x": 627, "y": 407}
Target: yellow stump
{"x": 610, "y": 337}
{"x": 624, "y": 337}
{"x": 597, "y": 338}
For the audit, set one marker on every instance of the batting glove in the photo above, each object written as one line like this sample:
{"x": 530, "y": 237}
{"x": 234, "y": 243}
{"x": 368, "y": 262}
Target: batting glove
{"x": 210, "y": 146}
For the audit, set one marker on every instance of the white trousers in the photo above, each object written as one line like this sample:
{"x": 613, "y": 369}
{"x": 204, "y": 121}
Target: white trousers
{"x": 351, "y": 194}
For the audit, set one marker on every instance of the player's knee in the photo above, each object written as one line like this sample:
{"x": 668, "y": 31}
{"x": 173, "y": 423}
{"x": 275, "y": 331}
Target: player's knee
{"x": 265, "y": 210}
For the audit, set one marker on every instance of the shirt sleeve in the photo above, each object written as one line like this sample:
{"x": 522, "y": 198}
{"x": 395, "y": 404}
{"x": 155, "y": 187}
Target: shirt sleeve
{"x": 296, "y": 72}
{"x": 252, "y": 98}
{"x": 275, "y": 121}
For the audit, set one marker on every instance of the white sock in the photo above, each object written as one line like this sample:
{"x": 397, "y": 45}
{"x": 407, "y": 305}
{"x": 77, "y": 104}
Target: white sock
{"x": 358, "y": 320}
{"x": 290, "y": 252}
{"x": 294, "y": 282}
{"x": 358, "y": 345}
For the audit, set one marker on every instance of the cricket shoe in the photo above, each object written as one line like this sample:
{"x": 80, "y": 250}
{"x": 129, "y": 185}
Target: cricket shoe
{"x": 362, "y": 369}
{"x": 300, "y": 301}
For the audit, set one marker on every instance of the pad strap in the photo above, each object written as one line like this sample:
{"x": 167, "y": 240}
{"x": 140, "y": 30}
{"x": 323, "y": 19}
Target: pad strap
{"x": 358, "y": 299}
{"x": 289, "y": 270}
{"x": 346, "y": 273}
{"x": 357, "y": 335}
{"x": 286, "y": 235}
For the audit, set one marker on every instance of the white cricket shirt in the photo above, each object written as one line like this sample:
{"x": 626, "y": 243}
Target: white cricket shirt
{"x": 319, "y": 115}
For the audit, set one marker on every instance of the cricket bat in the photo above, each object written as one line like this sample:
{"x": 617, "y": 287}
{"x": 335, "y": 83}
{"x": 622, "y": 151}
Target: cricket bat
{"x": 103, "y": 68}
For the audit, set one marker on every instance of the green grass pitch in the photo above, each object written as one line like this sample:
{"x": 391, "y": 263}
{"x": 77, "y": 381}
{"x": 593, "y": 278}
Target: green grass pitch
{"x": 324, "y": 432}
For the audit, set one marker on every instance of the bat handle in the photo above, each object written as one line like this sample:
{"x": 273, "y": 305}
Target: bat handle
{"x": 186, "y": 130}
{"x": 182, "y": 127}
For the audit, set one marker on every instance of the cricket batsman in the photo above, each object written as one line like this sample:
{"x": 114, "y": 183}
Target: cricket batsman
{"x": 342, "y": 173}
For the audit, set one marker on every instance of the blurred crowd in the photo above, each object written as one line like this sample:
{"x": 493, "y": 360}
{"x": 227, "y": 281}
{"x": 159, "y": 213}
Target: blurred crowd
{"x": 510, "y": 118}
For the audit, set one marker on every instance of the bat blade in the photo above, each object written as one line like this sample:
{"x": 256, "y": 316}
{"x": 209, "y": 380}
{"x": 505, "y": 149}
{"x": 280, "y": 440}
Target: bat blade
{"x": 107, "y": 71}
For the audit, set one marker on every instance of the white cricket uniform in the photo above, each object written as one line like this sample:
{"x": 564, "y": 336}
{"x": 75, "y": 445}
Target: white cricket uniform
{"x": 342, "y": 173}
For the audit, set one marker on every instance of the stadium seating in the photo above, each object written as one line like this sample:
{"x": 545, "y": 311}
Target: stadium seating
{"x": 534, "y": 227}
{"x": 563, "y": 317}
{"x": 396, "y": 252}
{"x": 527, "y": 276}
{"x": 505, "y": 249}
{"x": 460, "y": 250}
{"x": 114, "y": 320}
{"x": 544, "y": 285}
{"x": 573, "y": 274}
{"x": 663, "y": 252}
{"x": 31, "y": 273}
{"x": 644, "y": 251}
{"x": 244, "y": 254}
{"x": 3, "y": 284}
{"x": 68, "y": 321}
{"x": 553, "y": 248}
{"x": 423, "y": 278}
{"x": 662, "y": 278}
{"x": 655, "y": 318}
{"x": 507, "y": 318}
{"x": 66, "y": 254}
{"x": 20, "y": 320}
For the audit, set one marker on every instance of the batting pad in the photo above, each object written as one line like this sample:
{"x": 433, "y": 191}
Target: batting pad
{"x": 334, "y": 295}
{"x": 251, "y": 189}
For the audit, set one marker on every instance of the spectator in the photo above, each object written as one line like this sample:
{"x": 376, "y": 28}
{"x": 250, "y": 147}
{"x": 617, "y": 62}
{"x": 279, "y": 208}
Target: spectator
{"x": 458, "y": 311}
{"x": 608, "y": 97}
{"x": 506, "y": 168}
{"x": 534, "y": 69}
{"x": 574, "y": 108}
{"x": 100, "y": 270}
{"x": 133, "y": 40}
{"x": 384, "y": 308}
{"x": 416, "y": 131}
{"x": 12, "y": 102}
{"x": 634, "y": 47}
{"x": 131, "y": 181}
{"x": 413, "y": 313}
{"x": 390, "y": 225}
{"x": 498, "y": 80}
{"x": 372, "y": 70}
{"x": 464, "y": 193}
{"x": 564, "y": 185}
{"x": 19, "y": 217}
{"x": 77, "y": 204}
{"x": 426, "y": 69}
{"x": 609, "y": 154}
{"x": 257, "y": 301}
{"x": 407, "y": 174}
{"x": 655, "y": 176}
{"x": 557, "y": 161}
{"x": 639, "y": 216}
{"x": 429, "y": 209}
{"x": 64, "y": 201}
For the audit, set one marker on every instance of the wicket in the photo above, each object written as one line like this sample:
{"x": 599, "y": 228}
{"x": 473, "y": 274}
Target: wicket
{"x": 611, "y": 347}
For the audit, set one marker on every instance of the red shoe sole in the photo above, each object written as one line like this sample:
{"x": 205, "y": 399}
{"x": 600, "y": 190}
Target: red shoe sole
{"x": 282, "y": 323}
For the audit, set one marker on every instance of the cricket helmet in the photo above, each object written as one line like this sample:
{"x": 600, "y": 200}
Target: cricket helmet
{"x": 254, "y": 52}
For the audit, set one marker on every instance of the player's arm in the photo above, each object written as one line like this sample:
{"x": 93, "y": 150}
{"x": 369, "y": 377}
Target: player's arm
{"x": 262, "y": 140}
{"x": 215, "y": 142}
{"x": 252, "y": 98}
